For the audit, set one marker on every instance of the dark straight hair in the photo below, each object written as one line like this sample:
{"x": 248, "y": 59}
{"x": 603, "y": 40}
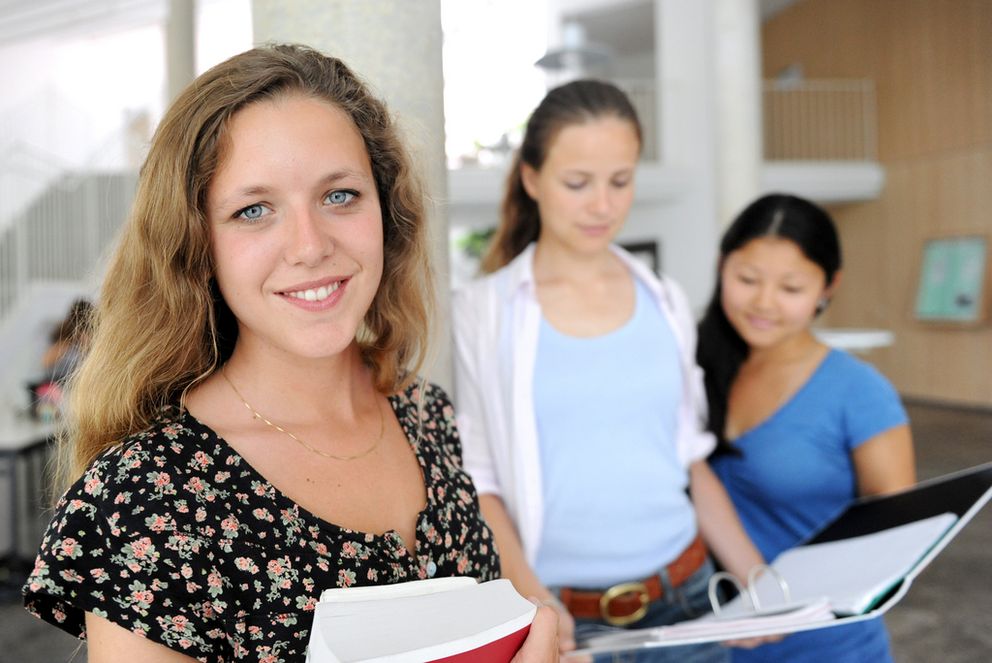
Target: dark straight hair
{"x": 721, "y": 350}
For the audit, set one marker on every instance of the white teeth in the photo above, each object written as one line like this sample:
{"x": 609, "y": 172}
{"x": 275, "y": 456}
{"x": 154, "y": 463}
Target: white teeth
{"x": 318, "y": 295}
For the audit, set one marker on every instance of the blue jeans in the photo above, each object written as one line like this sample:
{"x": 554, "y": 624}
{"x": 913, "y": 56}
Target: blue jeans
{"x": 687, "y": 601}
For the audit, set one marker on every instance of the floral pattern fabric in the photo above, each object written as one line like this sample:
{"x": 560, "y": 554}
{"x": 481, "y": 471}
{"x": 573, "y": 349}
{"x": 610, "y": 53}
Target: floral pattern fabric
{"x": 174, "y": 536}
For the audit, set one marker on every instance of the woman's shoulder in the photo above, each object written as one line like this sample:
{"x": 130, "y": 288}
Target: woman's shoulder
{"x": 423, "y": 394}
{"x": 855, "y": 374}
{"x": 173, "y": 432}
{"x": 671, "y": 292}
{"x": 661, "y": 284}
{"x": 171, "y": 446}
{"x": 480, "y": 288}
{"x": 425, "y": 408}
{"x": 868, "y": 402}
{"x": 500, "y": 282}
{"x": 844, "y": 363}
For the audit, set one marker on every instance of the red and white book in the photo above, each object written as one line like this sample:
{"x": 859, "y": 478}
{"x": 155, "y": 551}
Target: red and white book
{"x": 440, "y": 620}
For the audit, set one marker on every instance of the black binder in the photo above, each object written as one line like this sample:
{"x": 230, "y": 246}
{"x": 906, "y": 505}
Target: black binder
{"x": 953, "y": 498}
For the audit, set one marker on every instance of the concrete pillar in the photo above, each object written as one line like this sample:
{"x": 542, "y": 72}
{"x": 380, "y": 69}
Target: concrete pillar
{"x": 686, "y": 99}
{"x": 739, "y": 104}
{"x": 709, "y": 95}
{"x": 395, "y": 45}
{"x": 180, "y": 47}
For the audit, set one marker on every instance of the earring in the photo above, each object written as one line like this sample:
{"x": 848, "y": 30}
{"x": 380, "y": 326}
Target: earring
{"x": 821, "y": 305}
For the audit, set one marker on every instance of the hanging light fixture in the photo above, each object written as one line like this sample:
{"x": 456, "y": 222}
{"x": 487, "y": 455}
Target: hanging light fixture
{"x": 575, "y": 54}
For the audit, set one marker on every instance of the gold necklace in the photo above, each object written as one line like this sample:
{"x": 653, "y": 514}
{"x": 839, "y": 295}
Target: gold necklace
{"x": 256, "y": 415}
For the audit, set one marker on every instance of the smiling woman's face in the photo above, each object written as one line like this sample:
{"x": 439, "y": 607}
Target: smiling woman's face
{"x": 296, "y": 227}
{"x": 770, "y": 290}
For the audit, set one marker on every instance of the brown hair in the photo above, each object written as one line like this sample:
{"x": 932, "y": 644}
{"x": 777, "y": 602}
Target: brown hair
{"x": 74, "y": 324}
{"x": 161, "y": 325}
{"x": 577, "y": 102}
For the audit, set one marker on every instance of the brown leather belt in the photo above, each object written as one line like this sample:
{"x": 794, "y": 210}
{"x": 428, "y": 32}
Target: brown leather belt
{"x": 627, "y": 602}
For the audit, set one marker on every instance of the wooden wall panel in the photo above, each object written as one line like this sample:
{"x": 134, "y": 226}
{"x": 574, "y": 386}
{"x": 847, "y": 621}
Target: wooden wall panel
{"x": 934, "y": 72}
{"x": 932, "y": 64}
{"x": 838, "y": 50}
{"x": 944, "y": 196}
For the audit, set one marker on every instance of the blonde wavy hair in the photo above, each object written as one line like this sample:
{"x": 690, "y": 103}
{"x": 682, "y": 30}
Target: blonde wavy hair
{"x": 160, "y": 325}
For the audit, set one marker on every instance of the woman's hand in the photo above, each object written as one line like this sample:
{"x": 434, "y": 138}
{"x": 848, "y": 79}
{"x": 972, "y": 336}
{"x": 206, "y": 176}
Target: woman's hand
{"x": 541, "y": 645}
{"x": 566, "y": 632}
{"x": 751, "y": 643}
{"x": 566, "y": 624}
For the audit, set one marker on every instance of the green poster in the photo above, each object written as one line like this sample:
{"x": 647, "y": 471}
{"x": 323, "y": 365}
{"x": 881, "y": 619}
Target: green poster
{"x": 952, "y": 280}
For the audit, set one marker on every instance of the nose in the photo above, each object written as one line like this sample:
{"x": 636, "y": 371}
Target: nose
{"x": 307, "y": 239}
{"x": 764, "y": 297}
{"x": 602, "y": 200}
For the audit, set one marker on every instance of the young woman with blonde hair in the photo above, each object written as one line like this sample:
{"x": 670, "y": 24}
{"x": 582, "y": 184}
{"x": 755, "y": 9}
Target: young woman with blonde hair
{"x": 248, "y": 428}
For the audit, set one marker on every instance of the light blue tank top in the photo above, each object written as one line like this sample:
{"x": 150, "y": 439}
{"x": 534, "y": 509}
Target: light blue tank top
{"x": 615, "y": 506}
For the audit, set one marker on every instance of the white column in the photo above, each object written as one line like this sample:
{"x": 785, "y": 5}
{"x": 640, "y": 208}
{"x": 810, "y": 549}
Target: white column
{"x": 738, "y": 107}
{"x": 180, "y": 47}
{"x": 709, "y": 96}
{"x": 684, "y": 52}
{"x": 395, "y": 45}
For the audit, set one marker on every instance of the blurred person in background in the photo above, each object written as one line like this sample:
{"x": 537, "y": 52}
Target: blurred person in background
{"x": 804, "y": 428}
{"x": 580, "y": 404}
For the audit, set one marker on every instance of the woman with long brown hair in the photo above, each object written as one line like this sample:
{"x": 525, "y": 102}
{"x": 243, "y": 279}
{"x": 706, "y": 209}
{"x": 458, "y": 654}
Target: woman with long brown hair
{"x": 248, "y": 428}
{"x": 580, "y": 403}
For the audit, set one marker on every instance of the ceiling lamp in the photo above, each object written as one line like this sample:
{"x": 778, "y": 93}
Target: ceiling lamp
{"x": 575, "y": 53}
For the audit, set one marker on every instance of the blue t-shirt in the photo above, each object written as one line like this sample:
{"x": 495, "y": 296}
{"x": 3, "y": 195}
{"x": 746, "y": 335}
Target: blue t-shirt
{"x": 615, "y": 506}
{"x": 795, "y": 473}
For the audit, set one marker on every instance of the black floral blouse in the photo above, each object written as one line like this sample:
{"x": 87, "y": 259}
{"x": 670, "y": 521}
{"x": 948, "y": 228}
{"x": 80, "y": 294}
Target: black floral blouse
{"x": 173, "y": 535}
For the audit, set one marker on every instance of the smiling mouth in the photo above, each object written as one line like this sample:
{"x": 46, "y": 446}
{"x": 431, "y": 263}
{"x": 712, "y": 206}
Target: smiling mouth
{"x": 759, "y": 322}
{"x": 315, "y": 294}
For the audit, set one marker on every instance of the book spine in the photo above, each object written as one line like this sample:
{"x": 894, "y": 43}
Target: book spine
{"x": 497, "y": 651}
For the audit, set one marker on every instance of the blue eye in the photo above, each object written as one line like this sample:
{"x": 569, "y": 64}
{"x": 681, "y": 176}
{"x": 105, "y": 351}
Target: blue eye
{"x": 251, "y": 213}
{"x": 340, "y": 197}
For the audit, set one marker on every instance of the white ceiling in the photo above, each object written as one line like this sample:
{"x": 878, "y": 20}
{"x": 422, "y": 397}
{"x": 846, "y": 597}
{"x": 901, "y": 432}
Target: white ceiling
{"x": 628, "y": 27}
{"x": 27, "y": 19}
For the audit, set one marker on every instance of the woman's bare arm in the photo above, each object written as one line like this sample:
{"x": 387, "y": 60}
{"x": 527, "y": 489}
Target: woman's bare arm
{"x": 514, "y": 566}
{"x": 885, "y": 463}
{"x": 109, "y": 643}
{"x": 719, "y": 524}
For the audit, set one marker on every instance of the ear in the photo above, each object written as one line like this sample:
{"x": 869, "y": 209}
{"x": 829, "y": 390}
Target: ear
{"x": 528, "y": 177}
{"x": 831, "y": 288}
{"x": 828, "y": 294}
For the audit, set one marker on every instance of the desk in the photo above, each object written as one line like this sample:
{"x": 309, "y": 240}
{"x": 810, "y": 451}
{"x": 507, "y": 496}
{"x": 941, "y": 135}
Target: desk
{"x": 858, "y": 340}
{"x": 23, "y": 454}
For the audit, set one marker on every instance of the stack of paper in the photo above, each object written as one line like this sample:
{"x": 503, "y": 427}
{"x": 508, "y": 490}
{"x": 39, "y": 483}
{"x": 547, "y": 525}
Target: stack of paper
{"x": 855, "y": 573}
{"x": 715, "y": 628}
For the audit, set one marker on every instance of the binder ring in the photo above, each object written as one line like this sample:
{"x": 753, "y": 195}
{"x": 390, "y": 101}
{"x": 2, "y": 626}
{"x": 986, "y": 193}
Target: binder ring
{"x": 748, "y": 593}
{"x": 715, "y": 583}
{"x": 752, "y": 576}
